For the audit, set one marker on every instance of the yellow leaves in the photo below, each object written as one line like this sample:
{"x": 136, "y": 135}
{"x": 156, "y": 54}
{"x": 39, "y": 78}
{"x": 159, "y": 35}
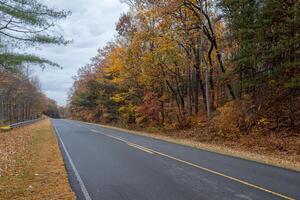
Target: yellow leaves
{"x": 130, "y": 108}
{"x": 118, "y": 98}
{"x": 263, "y": 122}
{"x": 228, "y": 118}
{"x": 128, "y": 113}
{"x": 272, "y": 82}
{"x": 123, "y": 96}
{"x": 116, "y": 66}
{"x": 114, "y": 61}
{"x": 140, "y": 120}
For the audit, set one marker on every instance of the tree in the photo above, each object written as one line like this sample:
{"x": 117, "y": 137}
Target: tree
{"x": 24, "y": 23}
{"x": 20, "y": 98}
{"x": 27, "y": 23}
{"x": 52, "y": 109}
{"x": 266, "y": 39}
{"x": 175, "y": 60}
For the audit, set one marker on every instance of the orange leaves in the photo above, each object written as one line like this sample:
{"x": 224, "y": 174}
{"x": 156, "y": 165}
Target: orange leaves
{"x": 151, "y": 106}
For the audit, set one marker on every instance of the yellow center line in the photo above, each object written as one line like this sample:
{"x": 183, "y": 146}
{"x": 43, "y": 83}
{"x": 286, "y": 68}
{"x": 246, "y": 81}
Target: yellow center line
{"x": 225, "y": 176}
{"x": 117, "y": 138}
{"x": 139, "y": 147}
{"x": 151, "y": 151}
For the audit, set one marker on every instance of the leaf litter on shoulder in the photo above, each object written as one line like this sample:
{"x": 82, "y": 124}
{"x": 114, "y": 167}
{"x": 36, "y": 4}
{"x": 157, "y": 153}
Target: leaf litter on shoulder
{"x": 31, "y": 166}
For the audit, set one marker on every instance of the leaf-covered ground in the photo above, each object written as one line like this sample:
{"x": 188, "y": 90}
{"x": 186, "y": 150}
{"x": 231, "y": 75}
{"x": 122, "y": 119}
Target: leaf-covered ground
{"x": 31, "y": 166}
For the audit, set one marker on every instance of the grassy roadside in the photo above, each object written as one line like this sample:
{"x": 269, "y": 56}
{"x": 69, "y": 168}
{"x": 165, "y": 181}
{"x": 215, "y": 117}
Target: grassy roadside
{"x": 31, "y": 166}
{"x": 284, "y": 160}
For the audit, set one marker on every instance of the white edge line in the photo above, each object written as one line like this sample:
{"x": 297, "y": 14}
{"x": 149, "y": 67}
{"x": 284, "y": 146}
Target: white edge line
{"x": 82, "y": 186}
{"x": 195, "y": 165}
{"x": 150, "y": 151}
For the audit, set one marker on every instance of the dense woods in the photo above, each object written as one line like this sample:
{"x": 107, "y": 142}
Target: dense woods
{"x": 24, "y": 24}
{"x": 176, "y": 62}
{"x": 20, "y": 98}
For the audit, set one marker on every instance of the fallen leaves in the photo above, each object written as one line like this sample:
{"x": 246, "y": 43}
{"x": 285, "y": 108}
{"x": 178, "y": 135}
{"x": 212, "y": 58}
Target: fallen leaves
{"x": 31, "y": 164}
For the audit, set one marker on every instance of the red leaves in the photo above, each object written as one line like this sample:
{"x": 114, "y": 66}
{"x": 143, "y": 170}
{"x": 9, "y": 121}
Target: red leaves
{"x": 151, "y": 106}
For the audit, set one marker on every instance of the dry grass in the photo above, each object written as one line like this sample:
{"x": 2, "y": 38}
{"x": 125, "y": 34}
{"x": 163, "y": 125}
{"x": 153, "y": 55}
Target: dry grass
{"x": 31, "y": 166}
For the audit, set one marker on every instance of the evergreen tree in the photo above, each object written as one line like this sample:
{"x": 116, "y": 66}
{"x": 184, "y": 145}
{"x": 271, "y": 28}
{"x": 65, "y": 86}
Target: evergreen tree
{"x": 25, "y": 23}
{"x": 265, "y": 36}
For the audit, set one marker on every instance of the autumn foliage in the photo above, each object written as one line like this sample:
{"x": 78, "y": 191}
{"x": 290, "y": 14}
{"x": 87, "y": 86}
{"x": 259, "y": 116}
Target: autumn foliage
{"x": 25, "y": 24}
{"x": 179, "y": 60}
{"x": 20, "y": 98}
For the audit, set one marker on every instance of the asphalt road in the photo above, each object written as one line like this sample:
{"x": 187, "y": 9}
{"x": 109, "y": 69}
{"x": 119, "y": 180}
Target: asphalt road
{"x": 108, "y": 164}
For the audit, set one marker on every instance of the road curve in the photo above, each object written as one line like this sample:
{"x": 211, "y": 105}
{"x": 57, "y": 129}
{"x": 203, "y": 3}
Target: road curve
{"x": 109, "y": 164}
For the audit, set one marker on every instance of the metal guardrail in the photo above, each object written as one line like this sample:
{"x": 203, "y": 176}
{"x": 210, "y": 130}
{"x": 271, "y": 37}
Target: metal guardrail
{"x": 19, "y": 124}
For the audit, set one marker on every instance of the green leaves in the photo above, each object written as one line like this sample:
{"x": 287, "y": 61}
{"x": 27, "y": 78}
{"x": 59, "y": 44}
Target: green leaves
{"x": 26, "y": 23}
{"x": 30, "y": 12}
{"x": 266, "y": 34}
{"x": 48, "y": 39}
{"x": 11, "y": 61}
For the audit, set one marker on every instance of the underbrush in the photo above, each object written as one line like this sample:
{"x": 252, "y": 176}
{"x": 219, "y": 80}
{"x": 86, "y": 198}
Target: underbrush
{"x": 241, "y": 125}
{"x": 236, "y": 126}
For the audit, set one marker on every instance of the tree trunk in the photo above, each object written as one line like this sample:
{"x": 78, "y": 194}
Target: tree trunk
{"x": 189, "y": 90}
{"x": 196, "y": 89}
{"x": 207, "y": 92}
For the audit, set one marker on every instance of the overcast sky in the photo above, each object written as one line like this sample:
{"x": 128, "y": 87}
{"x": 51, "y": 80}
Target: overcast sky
{"x": 91, "y": 26}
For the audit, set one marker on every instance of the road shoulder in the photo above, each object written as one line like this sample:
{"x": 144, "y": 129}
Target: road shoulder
{"x": 31, "y": 164}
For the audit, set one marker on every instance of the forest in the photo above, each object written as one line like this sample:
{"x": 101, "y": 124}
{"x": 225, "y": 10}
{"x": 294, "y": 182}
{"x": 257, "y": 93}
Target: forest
{"x": 177, "y": 64}
{"x": 162, "y": 99}
{"x": 25, "y": 25}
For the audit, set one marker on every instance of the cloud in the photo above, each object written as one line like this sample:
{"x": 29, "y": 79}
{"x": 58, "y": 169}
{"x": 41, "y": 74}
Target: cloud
{"x": 91, "y": 26}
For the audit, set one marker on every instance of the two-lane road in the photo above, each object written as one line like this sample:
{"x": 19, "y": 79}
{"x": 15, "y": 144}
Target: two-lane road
{"x": 108, "y": 164}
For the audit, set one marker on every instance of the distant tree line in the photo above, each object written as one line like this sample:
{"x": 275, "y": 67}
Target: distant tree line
{"x": 20, "y": 98}
{"x": 24, "y": 24}
{"x": 55, "y": 111}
